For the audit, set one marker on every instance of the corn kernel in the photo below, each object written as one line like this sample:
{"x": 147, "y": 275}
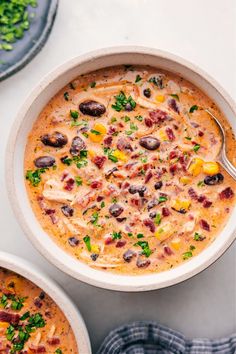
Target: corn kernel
{"x": 195, "y": 167}
{"x": 211, "y": 168}
{"x": 162, "y": 135}
{"x": 120, "y": 155}
{"x": 181, "y": 204}
{"x": 160, "y": 98}
{"x": 92, "y": 153}
{"x": 95, "y": 249}
{"x": 4, "y": 325}
{"x": 100, "y": 128}
{"x": 164, "y": 232}
{"x": 13, "y": 284}
{"x": 185, "y": 180}
{"x": 176, "y": 243}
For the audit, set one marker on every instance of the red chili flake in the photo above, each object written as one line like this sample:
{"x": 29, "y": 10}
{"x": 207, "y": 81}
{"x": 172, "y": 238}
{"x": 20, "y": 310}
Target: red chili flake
{"x": 200, "y": 133}
{"x": 148, "y": 122}
{"x": 53, "y": 341}
{"x": 227, "y": 193}
{"x": 204, "y": 225}
{"x": 207, "y": 203}
{"x": 99, "y": 161}
{"x": 158, "y": 116}
{"x": 69, "y": 184}
{"x": 193, "y": 195}
{"x": 107, "y": 141}
{"x": 173, "y": 154}
{"x": 148, "y": 176}
{"x": 173, "y": 168}
{"x": 96, "y": 184}
{"x": 165, "y": 211}
{"x": 150, "y": 224}
{"x": 170, "y": 134}
{"x": 50, "y": 211}
{"x": 168, "y": 250}
{"x": 201, "y": 198}
{"x": 120, "y": 243}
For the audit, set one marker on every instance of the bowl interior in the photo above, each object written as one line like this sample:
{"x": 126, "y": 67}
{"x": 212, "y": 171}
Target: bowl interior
{"x": 15, "y": 174}
{"x": 35, "y": 275}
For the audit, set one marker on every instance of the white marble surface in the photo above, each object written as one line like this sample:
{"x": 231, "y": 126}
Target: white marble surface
{"x": 202, "y": 31}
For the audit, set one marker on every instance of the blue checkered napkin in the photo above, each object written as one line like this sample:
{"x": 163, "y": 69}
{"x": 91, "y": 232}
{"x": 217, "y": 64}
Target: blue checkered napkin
{"x": 152, "y": 338}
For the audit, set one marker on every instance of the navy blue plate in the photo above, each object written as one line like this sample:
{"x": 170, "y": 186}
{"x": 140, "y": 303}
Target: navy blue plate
{"x": 34, "y": 39}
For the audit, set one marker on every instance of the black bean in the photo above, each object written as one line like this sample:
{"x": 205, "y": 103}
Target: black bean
{"x": 44, "y": 161}
{"x": 154, "y": 202}
{"x": 142, "y": 263}
{"x": 128, "y": 255}
{"x": 137, "y": 189}
{"x": 73, "y": 241}
{"x": 115, "y": 210}
{"x": 158, "y": 185}
{"x": 42, "y": 295}
{"x": 92, "y": 108}
{"x": 147, "y": 92}
{"x": 67, "y": 210}
{"x": 215, "y": 179}
{"x": 77, "y": 145}
{"x": 94, "y": 256}
{"x": 149, "y": 143}
{"x": 56, "y": 139}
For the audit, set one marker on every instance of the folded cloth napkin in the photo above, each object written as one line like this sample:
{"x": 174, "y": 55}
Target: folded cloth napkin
{"x": 152, "y": 338}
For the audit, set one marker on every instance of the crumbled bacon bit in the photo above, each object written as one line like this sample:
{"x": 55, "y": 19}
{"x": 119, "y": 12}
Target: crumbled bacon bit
{"x": 173, "y": 168}
{"x": 173, "y": 154}
{"x": 193, "y": 195}
{"x": 107, "y": 141}
{"x": 53, "y": 341}
{"x": 207, "y": 203}
{"x": 200, "y": 133}
{"x": 111, "y": 130}
{"x": 148, "y": 176}
{"x": 227, "y": 193}
{"x": 204, "y": 225}
{"x": 150, "y": 224}
{"x": 148, "y": 122}
{"x": 170, "y": 134}
{"x": 201, "y": 198}
{"x": 173, "y": 105}
{"x": 99, "y": 161}
{"x": 158, "y": 116}
{"x": 100, "y": 198}
{"x": 37, "y": 349}
{"x": 8, "y": 317}
{"x": 96, "y": 184}
{"x": 120, "y": 243}
{"x": 108, "y": 240}
{"x": 165, "y": 211}
{"x": 69, "y": 184}
{"x": 124, "y": 144}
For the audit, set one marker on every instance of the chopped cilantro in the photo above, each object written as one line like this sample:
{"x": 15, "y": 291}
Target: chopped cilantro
{"x": 113, "y": 119}
{"x": 145, "y": 247}
{"x": 201, "y": 184}
{"x": 196, "y": 147}
{"x": 197, "y": 237}
{"x": 95, "y": 132}
{"x": 35, "y": 176}
{"x": 87, "y": 243}
{"x": 193, "y": 108}
{"x": 93, "y": 84}
{"x": 130, "y": 234}
{"x": 74, "y": 114}
{"x": 102, "y": 204}
{"x": 144, "y": 159}
{"x": 174, "y": 95}
{"x": 3, "y": 301}
{"x": 192, "y": 248}
{"x": 138, "y": 78}
{"x": 162, "y": 199}
{"x": 157, "y": 219}
{"x": 187, "y": 255}
{"x": 78, "y": 181}
{"x": 66, "y": 96}
{"x": 94, "y": 219}
{"x": 188, "y": 138}
{"x": 122, "y": 101}
{"x": 140, "y": 235}
{"x": 58, "y": 351}
{"x": 139, "y": 118}
{"x": 116, "y": 235}
{"x": 157, "y": 81}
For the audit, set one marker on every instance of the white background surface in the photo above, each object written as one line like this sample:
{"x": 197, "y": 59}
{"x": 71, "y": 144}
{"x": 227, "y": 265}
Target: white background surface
{"x": 202, "y": 31}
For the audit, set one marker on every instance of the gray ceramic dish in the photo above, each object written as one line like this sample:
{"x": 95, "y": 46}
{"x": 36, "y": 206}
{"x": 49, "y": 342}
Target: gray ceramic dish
{"x": 32, "y": 42}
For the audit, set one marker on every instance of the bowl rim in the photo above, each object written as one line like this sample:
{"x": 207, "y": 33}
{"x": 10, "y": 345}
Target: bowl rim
{"x": 34, "y": 274}
{"x": 96, "y": 277}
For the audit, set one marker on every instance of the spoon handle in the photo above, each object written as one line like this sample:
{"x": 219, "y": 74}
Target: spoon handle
{"x": 227, "y": 164}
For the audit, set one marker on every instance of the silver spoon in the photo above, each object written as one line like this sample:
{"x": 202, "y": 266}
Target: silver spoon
{"x": 222, "y": 157}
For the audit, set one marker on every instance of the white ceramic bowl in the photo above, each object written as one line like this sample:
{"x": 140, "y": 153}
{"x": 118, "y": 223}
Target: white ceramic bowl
{"x": 38, "y": 98}
{"x": 36, "y": 276}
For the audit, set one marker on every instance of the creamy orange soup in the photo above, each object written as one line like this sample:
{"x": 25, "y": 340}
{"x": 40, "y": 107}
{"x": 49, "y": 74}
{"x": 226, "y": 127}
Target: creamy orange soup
{"x": 30, "y": 322}
{"x": 121, "y": 170}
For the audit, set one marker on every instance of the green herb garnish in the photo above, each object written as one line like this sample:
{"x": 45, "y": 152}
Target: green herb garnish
{"x": 58, "y": 351}
{"x": 87, "y": 243}
{"x": 93, "y": 84}
{"x": 162, "y": 199}
{"x": 157, "y": 81}
{"x": 66, "y": 96}
{"x": 157, "y": 219}
{"x": 122, "y": 101}
{"x": 187, "y": 255}
{"x": 145, "y": 247}
{"x": 193, "y": 108}
{"x": 201, "y": 184}
{"x": 138, "y": 78}
{"x": 78, "y": 181}
{"x": 95, "y": 132}
{"x": 140, "y": 235}
{"x": 35, "y": 176}
{"x": 139, "y": 118}
{"x": 196, "y": 147}
{"x": 174, "y": 95}
{"x": 74, "y": 114}
{"x": 116, "y": 235}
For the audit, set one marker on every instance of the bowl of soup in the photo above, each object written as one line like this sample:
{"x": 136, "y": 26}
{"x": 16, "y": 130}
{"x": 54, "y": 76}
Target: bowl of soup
{"x": 31, "y": 315}
{"x": 112, "y": 169}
